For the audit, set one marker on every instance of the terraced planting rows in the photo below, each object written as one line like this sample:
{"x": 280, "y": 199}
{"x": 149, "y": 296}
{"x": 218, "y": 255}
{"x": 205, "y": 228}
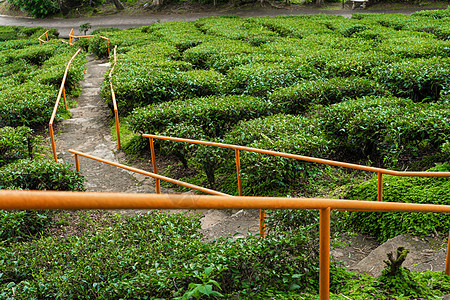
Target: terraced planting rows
{"x": 373, "y": 89}
{"x": 370, "y": 89}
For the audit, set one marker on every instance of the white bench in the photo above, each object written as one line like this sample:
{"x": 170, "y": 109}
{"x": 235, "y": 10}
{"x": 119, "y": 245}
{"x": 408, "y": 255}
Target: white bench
{"x": 363, "y": 5}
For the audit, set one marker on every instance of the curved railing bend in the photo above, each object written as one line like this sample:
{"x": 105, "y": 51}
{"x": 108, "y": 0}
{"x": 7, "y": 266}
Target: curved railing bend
{"x": 62, "y": 91}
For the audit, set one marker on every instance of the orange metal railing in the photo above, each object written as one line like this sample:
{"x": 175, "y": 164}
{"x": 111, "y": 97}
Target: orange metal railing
{"x": 236, "y": 148}
{"x": 113, "y": 95}
{"x": 40, "y": 37}
{"x": 62, "y": 91}
{"x": 72, "y": 38}
{"x": 139, "y": 171}
{"x": 79, "y": 200}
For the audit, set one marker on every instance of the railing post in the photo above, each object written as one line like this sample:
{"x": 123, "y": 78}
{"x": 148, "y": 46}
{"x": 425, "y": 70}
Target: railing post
{"x": 46, "y": 34}
{"x": 77, "y": 164}
{"x": 447, "y": 261}
{"x": 52, "y": 138}
{"x": 152, "y": 150}
{"x": 64, "y": 96}
{"x": 380, "y": 186}
{"x": 238, "y": 171}
{"x": 324, "y": 265}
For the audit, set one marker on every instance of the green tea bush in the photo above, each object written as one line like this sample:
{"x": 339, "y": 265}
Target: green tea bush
{"x": 16, "y": 44}
{"x": 384, "y": 226}
{"x": 40, "y": 174}
{"x": 15, "y": 143}
{"x": 235, "y": 29}
{"x": 206, "y": 54}
{"x": 7, "y": 33}
{"x": 435, "y": 14}
{"x": 299, "y": 98}
{"x": 157, "y": 255}
{"x": 214, "y": 114}
{"x": 419, "y": 79}
{"x": 259, "y": 79}
{"x": 183, "y": 35}
{"x": 18, "y": 226}
{"x": 295, "y": 26}
{"x": 34, "y": 54}
{"x": 261, "y": 173}
{"x": 393, "y": 129}
{"x": 29, "y": 104}
{"x": 52, "y": 71}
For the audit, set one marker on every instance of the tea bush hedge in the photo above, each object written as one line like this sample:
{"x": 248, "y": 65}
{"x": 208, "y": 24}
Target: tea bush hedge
{"x": 300, "y": 97}
{"x": 384, "y": 226}
{"x": 264, "y": 174}
{"x": 15, "y": 143}
{"x": 389, "y": 128}
{"x": 40, "y": 174}
{"x": 161, "y": 261}
{"x": 214, "y": 114}
{"x": 419, "y": 79}
{"x": 27, "y": 104}
{"x": 259, "y": 79}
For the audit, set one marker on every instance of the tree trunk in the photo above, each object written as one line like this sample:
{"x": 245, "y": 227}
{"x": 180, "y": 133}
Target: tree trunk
{"x": 118, "y": 5}
{"x": 157, "y": 2}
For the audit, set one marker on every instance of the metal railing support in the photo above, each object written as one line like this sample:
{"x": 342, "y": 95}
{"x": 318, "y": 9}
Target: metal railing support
{"x": 113, "y": 96}
{"x": 380, "y": 186}
{"x": 447, "y": 260}
{"x": 152, "y": 151}
{"x": 324, "y": 260}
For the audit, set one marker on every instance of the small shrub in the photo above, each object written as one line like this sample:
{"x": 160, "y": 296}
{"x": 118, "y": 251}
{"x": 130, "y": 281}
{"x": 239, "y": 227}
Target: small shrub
{"x": 15, "y": 143}
{"x": 40, "y": 174}
{"x": 214, "y": 114}
{"x": 384, "y": 226}
{"x": 298, "y": 98}
{"x": 419, "y": 79}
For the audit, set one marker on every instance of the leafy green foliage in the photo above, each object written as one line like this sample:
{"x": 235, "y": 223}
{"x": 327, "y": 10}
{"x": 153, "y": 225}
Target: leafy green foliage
{"x": 213, "y": 114}
{"x": 302, "y": 96}
{"x": 17, "y": 226}
{"x": 157, "y": 255}
{"x": 402, "y": 189}
{"x": 15, "y": 143}
{"x": 40, "y": 174}
{"x": 37, "y": 8}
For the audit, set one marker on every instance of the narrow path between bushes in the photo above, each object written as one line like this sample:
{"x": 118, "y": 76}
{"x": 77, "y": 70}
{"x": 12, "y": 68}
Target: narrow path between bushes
{"x": 88, "y": 131}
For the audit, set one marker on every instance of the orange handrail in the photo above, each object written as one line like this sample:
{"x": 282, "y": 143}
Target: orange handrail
{"x": 78, "y": 200}
{"x": 139, "y": 171}
{"x": 41, "y": 40}
{"x": 72, "y": 38}
{"x": 113, "y": 95}
{"x": 62, "y": 91}
{"x": 379, "y": 171}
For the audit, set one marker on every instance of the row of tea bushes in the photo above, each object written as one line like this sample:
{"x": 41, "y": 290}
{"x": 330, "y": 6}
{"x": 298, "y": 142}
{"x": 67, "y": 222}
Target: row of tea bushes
{"x": 32, "y": 77}
{"x": 214, "y": 114}
{"x": 386, "y": 130}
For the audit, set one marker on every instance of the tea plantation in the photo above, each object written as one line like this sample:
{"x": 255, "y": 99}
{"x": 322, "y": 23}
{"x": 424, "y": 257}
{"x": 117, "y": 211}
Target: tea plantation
{"x": 373, "y": 90}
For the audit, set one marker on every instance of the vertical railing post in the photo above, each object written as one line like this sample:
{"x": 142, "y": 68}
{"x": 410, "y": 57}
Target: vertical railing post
{"x": 77, "y": 164}
{"x": 52, "y": 138}
{"x": 46, "y": 34}
{"x": 64, "y": 96}
{"x": 447, "y": 261}
{"x": 238, "y": 171}
{"x": 324, "y": 265}
{"x": 380, "y": 186}
{"x": 152, "y": 150}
